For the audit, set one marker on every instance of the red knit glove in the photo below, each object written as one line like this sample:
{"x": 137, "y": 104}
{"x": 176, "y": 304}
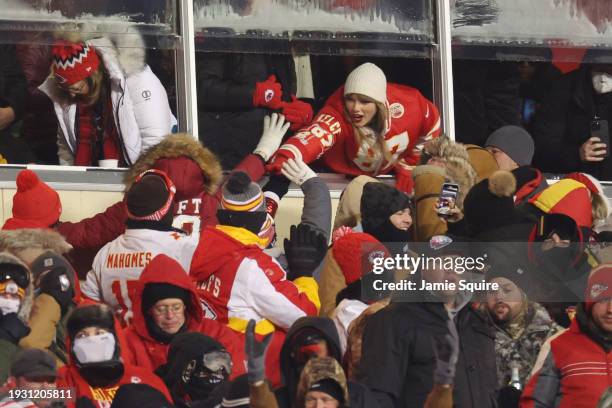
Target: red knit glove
{"x": 297, "y": 112}
{"x": 268, "y": 93}
{"x": 276, "y": 163}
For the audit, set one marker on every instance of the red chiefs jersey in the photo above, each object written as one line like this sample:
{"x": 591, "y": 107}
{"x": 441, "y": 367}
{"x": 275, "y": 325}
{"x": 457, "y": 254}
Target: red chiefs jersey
{"x": 412, "y": 121}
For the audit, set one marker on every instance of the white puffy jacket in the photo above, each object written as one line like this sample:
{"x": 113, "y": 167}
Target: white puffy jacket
{"x": 140, "y": 103}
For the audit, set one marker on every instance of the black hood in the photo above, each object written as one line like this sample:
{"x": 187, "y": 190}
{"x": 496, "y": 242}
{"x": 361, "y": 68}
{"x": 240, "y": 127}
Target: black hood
{"x": 327, "y": 329}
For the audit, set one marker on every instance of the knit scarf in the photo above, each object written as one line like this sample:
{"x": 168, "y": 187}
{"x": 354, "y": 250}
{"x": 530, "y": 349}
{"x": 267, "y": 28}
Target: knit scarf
{"x": 97, "y": 134}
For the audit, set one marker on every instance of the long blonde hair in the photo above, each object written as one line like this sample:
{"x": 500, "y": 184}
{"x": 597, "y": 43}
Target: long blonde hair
{"x": 378, "y": 124}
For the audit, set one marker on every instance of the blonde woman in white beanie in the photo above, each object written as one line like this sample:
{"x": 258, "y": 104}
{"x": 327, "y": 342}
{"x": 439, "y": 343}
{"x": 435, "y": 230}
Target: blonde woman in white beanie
{"x": 367, "y": 127}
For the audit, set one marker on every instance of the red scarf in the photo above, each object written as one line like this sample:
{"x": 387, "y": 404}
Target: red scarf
{"x": 93, "y": 129}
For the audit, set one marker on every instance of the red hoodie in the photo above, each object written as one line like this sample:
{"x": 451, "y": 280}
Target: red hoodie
{"x": 102, "y": 397}
{"x": 150, "y": 353}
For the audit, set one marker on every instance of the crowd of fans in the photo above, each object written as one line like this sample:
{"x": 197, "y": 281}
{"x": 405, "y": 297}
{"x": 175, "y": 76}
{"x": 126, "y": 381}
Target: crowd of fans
{"x": 179, "y": 295}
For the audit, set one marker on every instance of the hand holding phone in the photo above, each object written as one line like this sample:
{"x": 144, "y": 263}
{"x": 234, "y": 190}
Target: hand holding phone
{"x": 597, "y": 148}
{"x": 448, "y": 197}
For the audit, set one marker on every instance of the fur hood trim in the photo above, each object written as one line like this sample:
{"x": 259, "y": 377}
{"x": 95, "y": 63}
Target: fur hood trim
{"x": 458, "y": 167}
{"x": 180, "y": 145}
{"x": 26, "y": 306}
{"x": 20, "y": 239}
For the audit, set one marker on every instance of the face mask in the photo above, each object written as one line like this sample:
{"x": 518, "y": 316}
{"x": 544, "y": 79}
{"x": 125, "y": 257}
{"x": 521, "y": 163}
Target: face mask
{"x": 9, "y": 305}
{"x": 201, "y": 377}
{"x": 602, "y": 82}
{"x": 94, "y": 349}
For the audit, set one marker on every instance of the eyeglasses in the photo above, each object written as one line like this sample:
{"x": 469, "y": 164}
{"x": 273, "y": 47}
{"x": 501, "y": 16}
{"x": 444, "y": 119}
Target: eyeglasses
{"x": 164, "y": 309}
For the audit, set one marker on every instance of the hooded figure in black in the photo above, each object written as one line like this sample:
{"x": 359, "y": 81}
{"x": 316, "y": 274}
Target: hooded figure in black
{"x": 312, "y": 337}
{"x": 111, "y": 369}
{"x": 197, "y": 370}
{"x": 379, "y": 203}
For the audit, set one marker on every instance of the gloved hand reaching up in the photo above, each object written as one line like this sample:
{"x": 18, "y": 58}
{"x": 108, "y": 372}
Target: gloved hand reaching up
{"x": 305, "y": 249}
{"x": 256, "y": 354}
{"x": 274, "y": 130}
{"x": 297, "y": 171}
{"x": 268, "y": 93}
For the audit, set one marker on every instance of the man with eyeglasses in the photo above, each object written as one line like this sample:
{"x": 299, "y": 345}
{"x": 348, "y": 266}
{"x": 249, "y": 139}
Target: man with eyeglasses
{"x": 167, "y": 304}
{"x": 31, "y": 370}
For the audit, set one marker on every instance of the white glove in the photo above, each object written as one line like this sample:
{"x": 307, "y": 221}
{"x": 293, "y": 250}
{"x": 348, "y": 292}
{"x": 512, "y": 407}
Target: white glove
{"x": 274, "y": 129}
{"x": 297, "y": 171}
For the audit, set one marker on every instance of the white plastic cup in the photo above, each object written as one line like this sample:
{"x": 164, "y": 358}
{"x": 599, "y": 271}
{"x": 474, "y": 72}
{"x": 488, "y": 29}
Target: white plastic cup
{"x": 108, "y": 163}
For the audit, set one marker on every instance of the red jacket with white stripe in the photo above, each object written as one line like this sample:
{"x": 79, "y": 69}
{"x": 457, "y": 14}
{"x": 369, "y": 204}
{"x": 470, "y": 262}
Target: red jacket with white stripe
{"x": 573, "y": 371}
{"x": 237, "y": 281}
{"x": 413, "y": 120}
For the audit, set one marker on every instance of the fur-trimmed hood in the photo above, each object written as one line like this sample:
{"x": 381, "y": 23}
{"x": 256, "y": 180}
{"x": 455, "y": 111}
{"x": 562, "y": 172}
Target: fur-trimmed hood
{"x": 458, "y": 168}
{"x": 17, "y": 240}
{"x": 28, "y": 300}
{"x": 192, "y": 167}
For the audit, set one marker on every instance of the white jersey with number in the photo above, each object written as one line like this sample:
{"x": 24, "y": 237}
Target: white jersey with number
{"x": 118, "y": 265}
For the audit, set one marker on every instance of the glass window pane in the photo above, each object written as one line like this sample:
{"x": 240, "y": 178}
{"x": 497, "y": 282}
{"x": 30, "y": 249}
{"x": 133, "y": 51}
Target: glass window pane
{"x": 107, "y": 104}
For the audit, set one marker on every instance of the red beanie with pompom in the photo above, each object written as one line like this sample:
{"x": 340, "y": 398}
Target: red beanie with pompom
{"x": 355, "y": 254}
{"x": 35, "y": 202}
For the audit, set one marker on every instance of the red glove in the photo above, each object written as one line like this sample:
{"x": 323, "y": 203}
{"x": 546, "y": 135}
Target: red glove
{"x": 268, "y": 93}
{"x": 297, "y": 112}
{"x": 276, "y": 163}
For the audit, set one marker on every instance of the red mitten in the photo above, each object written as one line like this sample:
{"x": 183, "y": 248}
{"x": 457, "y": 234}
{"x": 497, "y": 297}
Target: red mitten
{"x": 297, "y": 112}
{"x": 276, "y": 163}
{"x": 268, "y": 93}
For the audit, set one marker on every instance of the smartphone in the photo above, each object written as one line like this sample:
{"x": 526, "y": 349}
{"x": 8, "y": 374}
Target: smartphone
{"x": 448, "y": 197}
{"x": 600, "y": 129}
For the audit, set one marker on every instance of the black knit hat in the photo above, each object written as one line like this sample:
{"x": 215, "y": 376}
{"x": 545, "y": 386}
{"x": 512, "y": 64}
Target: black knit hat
{"x": 90, "y": 316}
{"x": 150, "y": 197}
{"x": 154, "y": 292}
{"x": 379, "y": 201}
{"x": 490, "y": 203}
{"x": 141, "y": 396}
{"x": 329, "y": 387}
{"x": 242, "y": 203}
{"x": 516, "y": 275}
{"x": 238, "y": 394}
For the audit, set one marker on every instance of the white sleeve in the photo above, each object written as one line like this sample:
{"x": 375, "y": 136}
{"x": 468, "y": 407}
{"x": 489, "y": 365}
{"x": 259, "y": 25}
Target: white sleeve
{"x": 151, "y": 107}
{"x": 264, "y": 297}
{"x": 91, "y": 287}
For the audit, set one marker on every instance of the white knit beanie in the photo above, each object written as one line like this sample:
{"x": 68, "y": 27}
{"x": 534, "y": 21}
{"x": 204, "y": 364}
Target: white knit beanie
{"x": 369, "y": 80}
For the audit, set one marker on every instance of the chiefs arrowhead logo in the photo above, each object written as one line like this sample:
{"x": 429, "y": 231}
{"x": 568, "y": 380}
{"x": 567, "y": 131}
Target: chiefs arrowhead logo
{"x": 268, "y": 95}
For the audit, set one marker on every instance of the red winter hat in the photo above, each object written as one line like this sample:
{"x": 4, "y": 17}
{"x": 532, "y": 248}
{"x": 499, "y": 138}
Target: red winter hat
{"x": 599, "y": 286}
{"x": 35, "y": 204}
{"x": 73, "y": 62}
{"x": 355, "y": 254}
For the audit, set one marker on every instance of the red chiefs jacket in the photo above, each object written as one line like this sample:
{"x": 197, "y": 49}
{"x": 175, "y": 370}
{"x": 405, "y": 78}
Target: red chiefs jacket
{"x": 413, "y": 120}
{"x": 149, "y": 353}
{"x": 237, "y": 281}
{"x": 572, "y": 371}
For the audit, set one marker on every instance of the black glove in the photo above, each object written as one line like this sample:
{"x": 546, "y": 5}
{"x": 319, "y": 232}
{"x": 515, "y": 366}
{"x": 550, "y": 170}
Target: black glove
{"x": 305, "y": 249}
{"x": 56, "y": 284}
{"x": 509, "y": 397}
{"x": 84, "y": 402}
{"x": 446, "y": 349}
{"x": 256, "y": 353}
{"x": 12, "y": 329}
